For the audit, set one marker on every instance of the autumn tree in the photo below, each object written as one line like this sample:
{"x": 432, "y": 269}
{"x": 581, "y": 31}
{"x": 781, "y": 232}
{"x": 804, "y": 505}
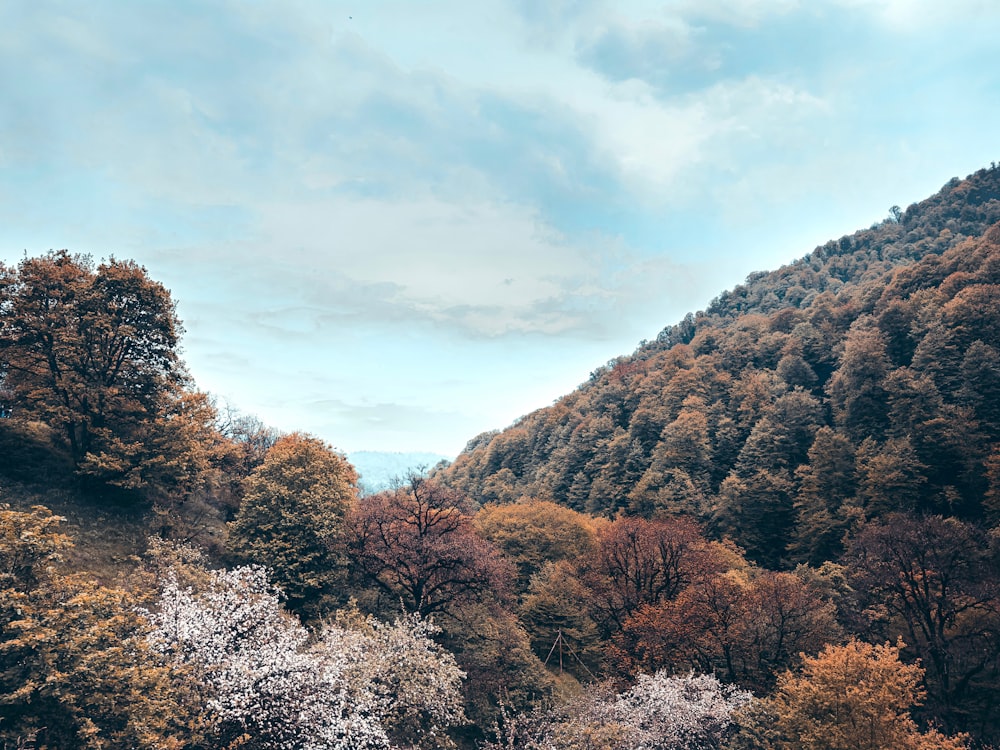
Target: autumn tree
{"x": 531, "y": 533}
{"x": 795, "y": 371}
{"x": 292, "y": 521}
{"x": 698, "y": 630}
{"x": 91, "y": 351}
{"x": 76, "y": 670}
{"x": 933, "y": 581}
{"x": 641, "y": 562}
{"x": 416, "y": 545}
{"x": 744, "y": 627}
{"x": 853, "y": 697}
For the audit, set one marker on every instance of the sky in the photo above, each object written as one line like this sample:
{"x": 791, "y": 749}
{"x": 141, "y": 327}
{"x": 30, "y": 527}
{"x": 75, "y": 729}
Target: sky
{"x": 396, "y": 225}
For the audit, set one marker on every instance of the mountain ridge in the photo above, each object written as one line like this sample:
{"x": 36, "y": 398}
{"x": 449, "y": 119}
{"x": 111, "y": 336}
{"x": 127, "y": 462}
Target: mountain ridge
{"x": 720, "y": 411}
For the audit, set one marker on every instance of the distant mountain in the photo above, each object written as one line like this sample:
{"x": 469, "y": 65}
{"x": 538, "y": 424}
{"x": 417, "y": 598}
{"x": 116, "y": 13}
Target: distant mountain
{"x": 860, "y": 380}
{"x": 379, "y": 469}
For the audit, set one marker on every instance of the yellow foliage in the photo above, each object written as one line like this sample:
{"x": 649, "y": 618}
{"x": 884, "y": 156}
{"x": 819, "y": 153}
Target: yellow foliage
{"x": 854, "y": 697}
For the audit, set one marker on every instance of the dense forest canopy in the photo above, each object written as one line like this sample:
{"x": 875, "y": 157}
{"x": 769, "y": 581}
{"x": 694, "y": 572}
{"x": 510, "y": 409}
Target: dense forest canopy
{"x": 774, "y": 527}
{"x": 857, "y": 381}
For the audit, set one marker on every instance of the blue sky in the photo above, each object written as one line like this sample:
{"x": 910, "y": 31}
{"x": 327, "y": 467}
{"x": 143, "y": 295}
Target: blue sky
{"x": 398, "y": 224}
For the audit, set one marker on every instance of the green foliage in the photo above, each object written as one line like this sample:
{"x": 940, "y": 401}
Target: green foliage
{"x": 826, "y": 483}
{"x": 494, "y": 651}
{"x": 554, "y": 613}
{"x": 292, "y": 521}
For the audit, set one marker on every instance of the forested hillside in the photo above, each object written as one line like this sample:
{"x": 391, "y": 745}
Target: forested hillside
{"x": 860, "y": 380}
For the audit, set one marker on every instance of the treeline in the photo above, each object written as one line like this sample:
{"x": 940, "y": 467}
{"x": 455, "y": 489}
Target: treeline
{"x": 411, "y": 621}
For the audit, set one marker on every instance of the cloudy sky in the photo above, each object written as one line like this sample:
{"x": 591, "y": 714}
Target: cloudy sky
{"x": 398, "y": 224}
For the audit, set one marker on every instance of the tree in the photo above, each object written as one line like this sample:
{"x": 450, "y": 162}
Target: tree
{"x": 934, "y": 581}
{"x": 744, "y": 627}
{"x": 494, "y": 651}
{"x": 76, "y": 670}
{"x": 853, "y": 697}
{"x": 783, "y": 618}
{"x": 292, "y": 521}
{"x": 758, "y": 514}
{"x": 554, "y": 613}
{"x": 417, "y": 546}
{"x": 981, "y": 385}
{"x": 532, "y": 533}
{"x": 826, "y": 482}
{"x": 686, "y": 713}
{"x": 251, "y": 435}
{"x": 659, "y": 712}
{"x": 685, "y": 444}
{"x": 780, "y": 441}
{"x": 662, "y": 494}
{"x": 409, "y": 682}
{"x": 890, "y": 476}
{"x": 795, "y": 371}
{"x": 91, "y": 352}
{"x": 857, "y": 391}
{"x": 641, "y": 562}
{"x": 991, "y": 498}
{"x": 261, "y": 687}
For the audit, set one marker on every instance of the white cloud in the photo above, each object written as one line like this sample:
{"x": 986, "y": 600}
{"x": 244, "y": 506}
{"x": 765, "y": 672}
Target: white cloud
{"x": 429, "y": 202}
{"x": 747, "y": 13}
{"x": 921, "y": 15}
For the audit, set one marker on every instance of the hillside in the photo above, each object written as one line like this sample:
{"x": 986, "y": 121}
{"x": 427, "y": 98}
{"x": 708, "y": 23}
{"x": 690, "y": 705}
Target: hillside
{"x": 859, "y": 380}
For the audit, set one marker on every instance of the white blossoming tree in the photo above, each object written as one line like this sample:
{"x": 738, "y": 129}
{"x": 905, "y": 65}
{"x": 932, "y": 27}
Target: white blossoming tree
{"x": 262, "y": 688}
{"x": 266, "y": 687}
{"x": 411, "y": 684}
{"x": 659, "y": 712}
{"x": 681, "y": 713}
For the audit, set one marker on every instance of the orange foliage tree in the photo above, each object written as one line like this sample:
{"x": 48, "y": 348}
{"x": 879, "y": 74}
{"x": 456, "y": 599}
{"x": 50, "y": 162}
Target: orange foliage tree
{"x": 743, "y": 627}
{"x": 639, "y": 562}
{"x": 854, "y": 697}
{"x": 92, "y": 352}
